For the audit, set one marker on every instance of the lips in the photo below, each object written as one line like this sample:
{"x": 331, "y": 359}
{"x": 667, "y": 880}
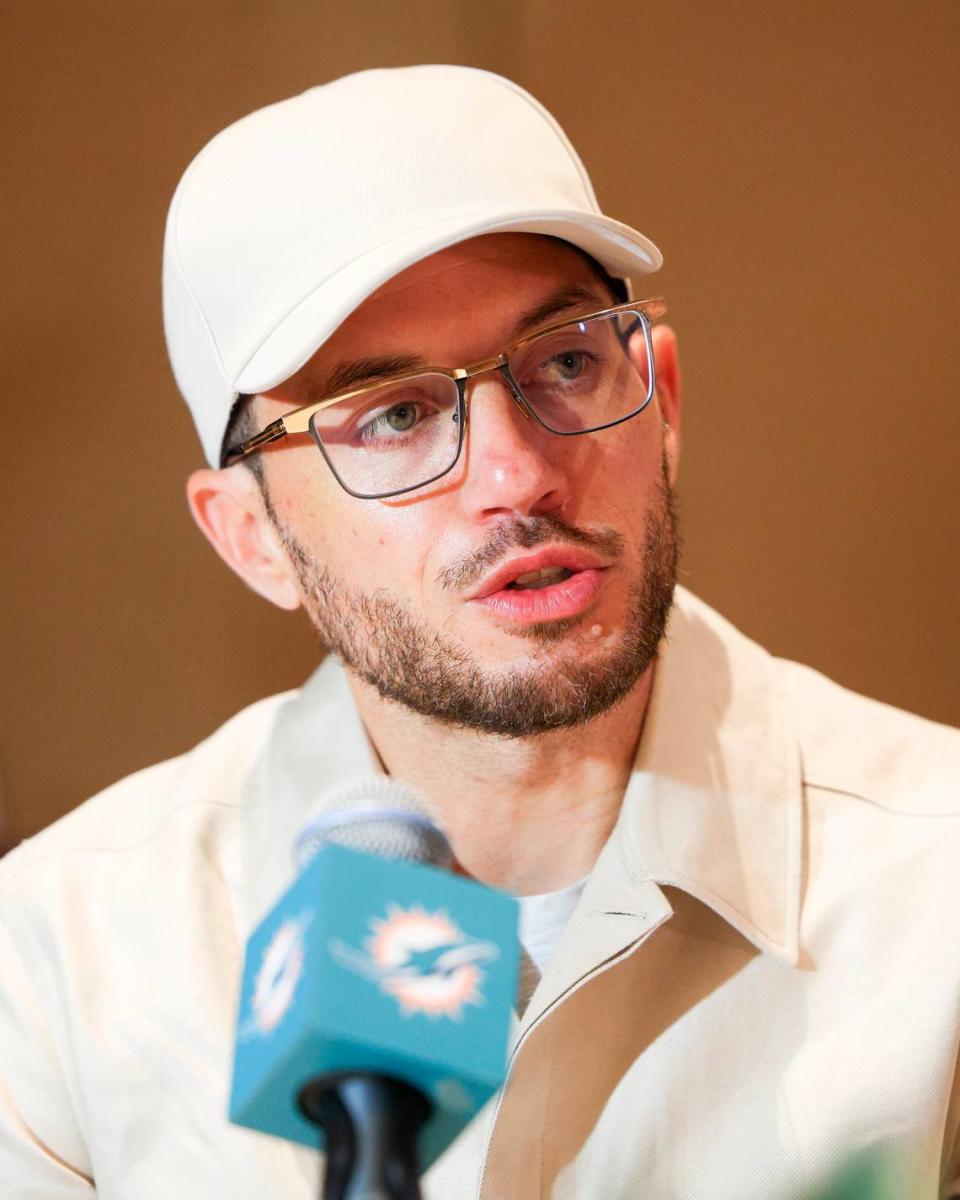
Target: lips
{"x": 525, "y": 567}
{"x": 555, "y": 584}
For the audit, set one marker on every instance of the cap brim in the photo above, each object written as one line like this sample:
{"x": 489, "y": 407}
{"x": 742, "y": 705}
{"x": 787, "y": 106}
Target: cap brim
{"x": 622, "y": 251}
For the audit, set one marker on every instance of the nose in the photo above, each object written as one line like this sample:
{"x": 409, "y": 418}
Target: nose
{"x": 513, "y": 465}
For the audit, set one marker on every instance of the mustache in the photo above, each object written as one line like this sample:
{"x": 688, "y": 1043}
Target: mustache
{"x": 525, "y": 534}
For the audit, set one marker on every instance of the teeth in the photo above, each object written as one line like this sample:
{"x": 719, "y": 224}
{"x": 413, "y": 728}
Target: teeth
{"x": 542, "y": 578}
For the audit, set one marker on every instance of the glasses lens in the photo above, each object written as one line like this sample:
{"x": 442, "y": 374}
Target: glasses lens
{"x": 588, "y": 374}
{"x": 392, "y": 438}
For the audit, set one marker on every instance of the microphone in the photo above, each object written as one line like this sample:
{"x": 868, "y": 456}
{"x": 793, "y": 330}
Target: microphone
{"x": 377, "y": 996}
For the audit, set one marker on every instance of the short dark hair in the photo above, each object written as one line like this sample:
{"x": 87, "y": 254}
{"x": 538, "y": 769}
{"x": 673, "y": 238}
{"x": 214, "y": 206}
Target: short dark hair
{"x": 241, "y": 425}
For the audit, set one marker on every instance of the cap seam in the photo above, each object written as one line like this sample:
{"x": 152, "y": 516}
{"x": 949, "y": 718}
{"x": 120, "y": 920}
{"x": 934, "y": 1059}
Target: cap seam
{"x": 182, "y": 274}
{"x": 555, "y": 125}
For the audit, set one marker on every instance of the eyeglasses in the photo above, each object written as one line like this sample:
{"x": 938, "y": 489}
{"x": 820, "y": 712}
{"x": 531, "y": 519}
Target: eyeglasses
{"x": 402, "y": 433}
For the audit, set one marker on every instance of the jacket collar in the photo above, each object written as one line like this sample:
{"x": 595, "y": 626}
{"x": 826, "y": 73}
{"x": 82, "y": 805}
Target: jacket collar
{"x": 714, "y": 805}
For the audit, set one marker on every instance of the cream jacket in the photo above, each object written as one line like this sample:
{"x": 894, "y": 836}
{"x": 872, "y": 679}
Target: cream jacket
{"x": 762, "y": 974}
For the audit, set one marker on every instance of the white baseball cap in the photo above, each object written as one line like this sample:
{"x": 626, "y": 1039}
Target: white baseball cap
{"x": 287, "y": 220}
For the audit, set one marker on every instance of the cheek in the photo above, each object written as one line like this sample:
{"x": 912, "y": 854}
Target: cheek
{"x": 394, "y": 546}
{"x": 618, "y": 474}
{"x": 366, "y": 543}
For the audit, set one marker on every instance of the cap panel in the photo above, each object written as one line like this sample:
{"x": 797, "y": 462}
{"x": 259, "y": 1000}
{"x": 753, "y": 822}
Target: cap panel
{"x": 196, "y": 364}
{"x": 558, "y": 131}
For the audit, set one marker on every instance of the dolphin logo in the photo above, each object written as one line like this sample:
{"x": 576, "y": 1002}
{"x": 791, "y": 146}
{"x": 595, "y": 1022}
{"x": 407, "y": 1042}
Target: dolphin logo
{"x": 276, "y": 981}
{"x": 422, "y": 959}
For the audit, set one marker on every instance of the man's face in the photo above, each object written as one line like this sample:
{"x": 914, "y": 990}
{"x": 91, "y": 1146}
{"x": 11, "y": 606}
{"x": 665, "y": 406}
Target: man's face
{"x": 417, "y": 594}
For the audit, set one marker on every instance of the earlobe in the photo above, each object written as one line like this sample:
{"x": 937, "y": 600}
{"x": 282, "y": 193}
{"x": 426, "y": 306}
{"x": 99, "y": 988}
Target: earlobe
{"x": 229, "y": 511}
{"x": 667, "y": 365}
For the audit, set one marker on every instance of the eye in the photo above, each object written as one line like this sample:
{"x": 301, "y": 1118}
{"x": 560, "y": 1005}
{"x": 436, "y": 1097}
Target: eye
{"x": 394, "y": 421}
{"x": 400, "y": 418}
{"x": 568, "y": 365}
{"x": 567, "y": 368}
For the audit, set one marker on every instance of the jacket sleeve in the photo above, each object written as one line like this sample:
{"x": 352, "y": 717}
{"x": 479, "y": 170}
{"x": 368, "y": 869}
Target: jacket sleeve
{"x": 42, "y": 1154}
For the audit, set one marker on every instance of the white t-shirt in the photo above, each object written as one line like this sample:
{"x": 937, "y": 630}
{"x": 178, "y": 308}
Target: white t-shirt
{"x": 543, "y": 919}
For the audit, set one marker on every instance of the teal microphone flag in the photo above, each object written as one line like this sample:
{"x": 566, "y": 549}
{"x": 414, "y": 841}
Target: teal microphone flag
{"x": 393, "y": 968}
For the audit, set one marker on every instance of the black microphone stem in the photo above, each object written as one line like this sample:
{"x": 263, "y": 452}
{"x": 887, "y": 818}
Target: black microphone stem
{"x": 371, "y": 1124}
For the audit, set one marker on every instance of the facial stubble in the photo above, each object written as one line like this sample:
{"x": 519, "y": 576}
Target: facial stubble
{"x": 381, "y": 638}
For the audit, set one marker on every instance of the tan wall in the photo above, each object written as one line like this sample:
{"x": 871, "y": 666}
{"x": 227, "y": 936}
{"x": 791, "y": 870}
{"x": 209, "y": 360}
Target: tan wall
{"x": 796, "y": 162}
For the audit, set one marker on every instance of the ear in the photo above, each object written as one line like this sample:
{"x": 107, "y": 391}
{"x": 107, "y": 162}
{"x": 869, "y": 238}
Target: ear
{"x": 667, "y": 366}
{"x": 229, "y": 510}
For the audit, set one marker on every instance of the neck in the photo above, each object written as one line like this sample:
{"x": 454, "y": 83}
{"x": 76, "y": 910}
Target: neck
{"x": 525, "y": 814}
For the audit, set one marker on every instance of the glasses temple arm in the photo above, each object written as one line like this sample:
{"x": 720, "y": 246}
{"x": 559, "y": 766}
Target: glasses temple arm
{"x": 273, "y": 433}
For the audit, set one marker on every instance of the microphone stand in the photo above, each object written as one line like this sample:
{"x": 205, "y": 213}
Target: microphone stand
{"x": 371, "y": 1124}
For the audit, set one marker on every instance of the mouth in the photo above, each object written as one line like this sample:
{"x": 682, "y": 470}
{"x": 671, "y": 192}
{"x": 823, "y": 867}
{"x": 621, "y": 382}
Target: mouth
{"x": 557, "y": 583}
{"x": 535, "y": 580}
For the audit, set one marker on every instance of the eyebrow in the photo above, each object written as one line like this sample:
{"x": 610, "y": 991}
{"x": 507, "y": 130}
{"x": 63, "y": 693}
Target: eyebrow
{"x": 368, "y": 370}
{"x": 572, "y": 296}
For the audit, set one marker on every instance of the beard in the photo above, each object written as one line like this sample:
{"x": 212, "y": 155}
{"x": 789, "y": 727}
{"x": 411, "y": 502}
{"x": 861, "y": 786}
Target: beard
{"x": 384, "y": 641}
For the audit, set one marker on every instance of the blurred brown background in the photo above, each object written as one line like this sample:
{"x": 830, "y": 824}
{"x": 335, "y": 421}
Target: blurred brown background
{"x": 797, "y": 164}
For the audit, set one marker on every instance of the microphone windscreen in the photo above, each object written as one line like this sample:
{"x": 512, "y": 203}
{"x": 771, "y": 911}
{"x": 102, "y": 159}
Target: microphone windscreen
{"x": 379, "y": 816}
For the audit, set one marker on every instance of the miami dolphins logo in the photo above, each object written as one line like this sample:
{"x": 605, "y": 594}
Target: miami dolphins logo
{"x": 422, "y": 959}
{"x": 276, "y": 981}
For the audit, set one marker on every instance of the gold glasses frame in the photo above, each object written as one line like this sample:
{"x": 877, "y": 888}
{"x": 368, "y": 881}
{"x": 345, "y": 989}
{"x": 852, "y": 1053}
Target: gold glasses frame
{"x": 300, "y": 420}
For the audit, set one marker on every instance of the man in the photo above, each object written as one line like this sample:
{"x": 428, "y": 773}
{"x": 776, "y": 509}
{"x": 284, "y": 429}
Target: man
{"x": 441, "y": 417}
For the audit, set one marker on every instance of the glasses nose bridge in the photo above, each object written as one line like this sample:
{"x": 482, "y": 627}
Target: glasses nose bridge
{"x": 487, "y": 366}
